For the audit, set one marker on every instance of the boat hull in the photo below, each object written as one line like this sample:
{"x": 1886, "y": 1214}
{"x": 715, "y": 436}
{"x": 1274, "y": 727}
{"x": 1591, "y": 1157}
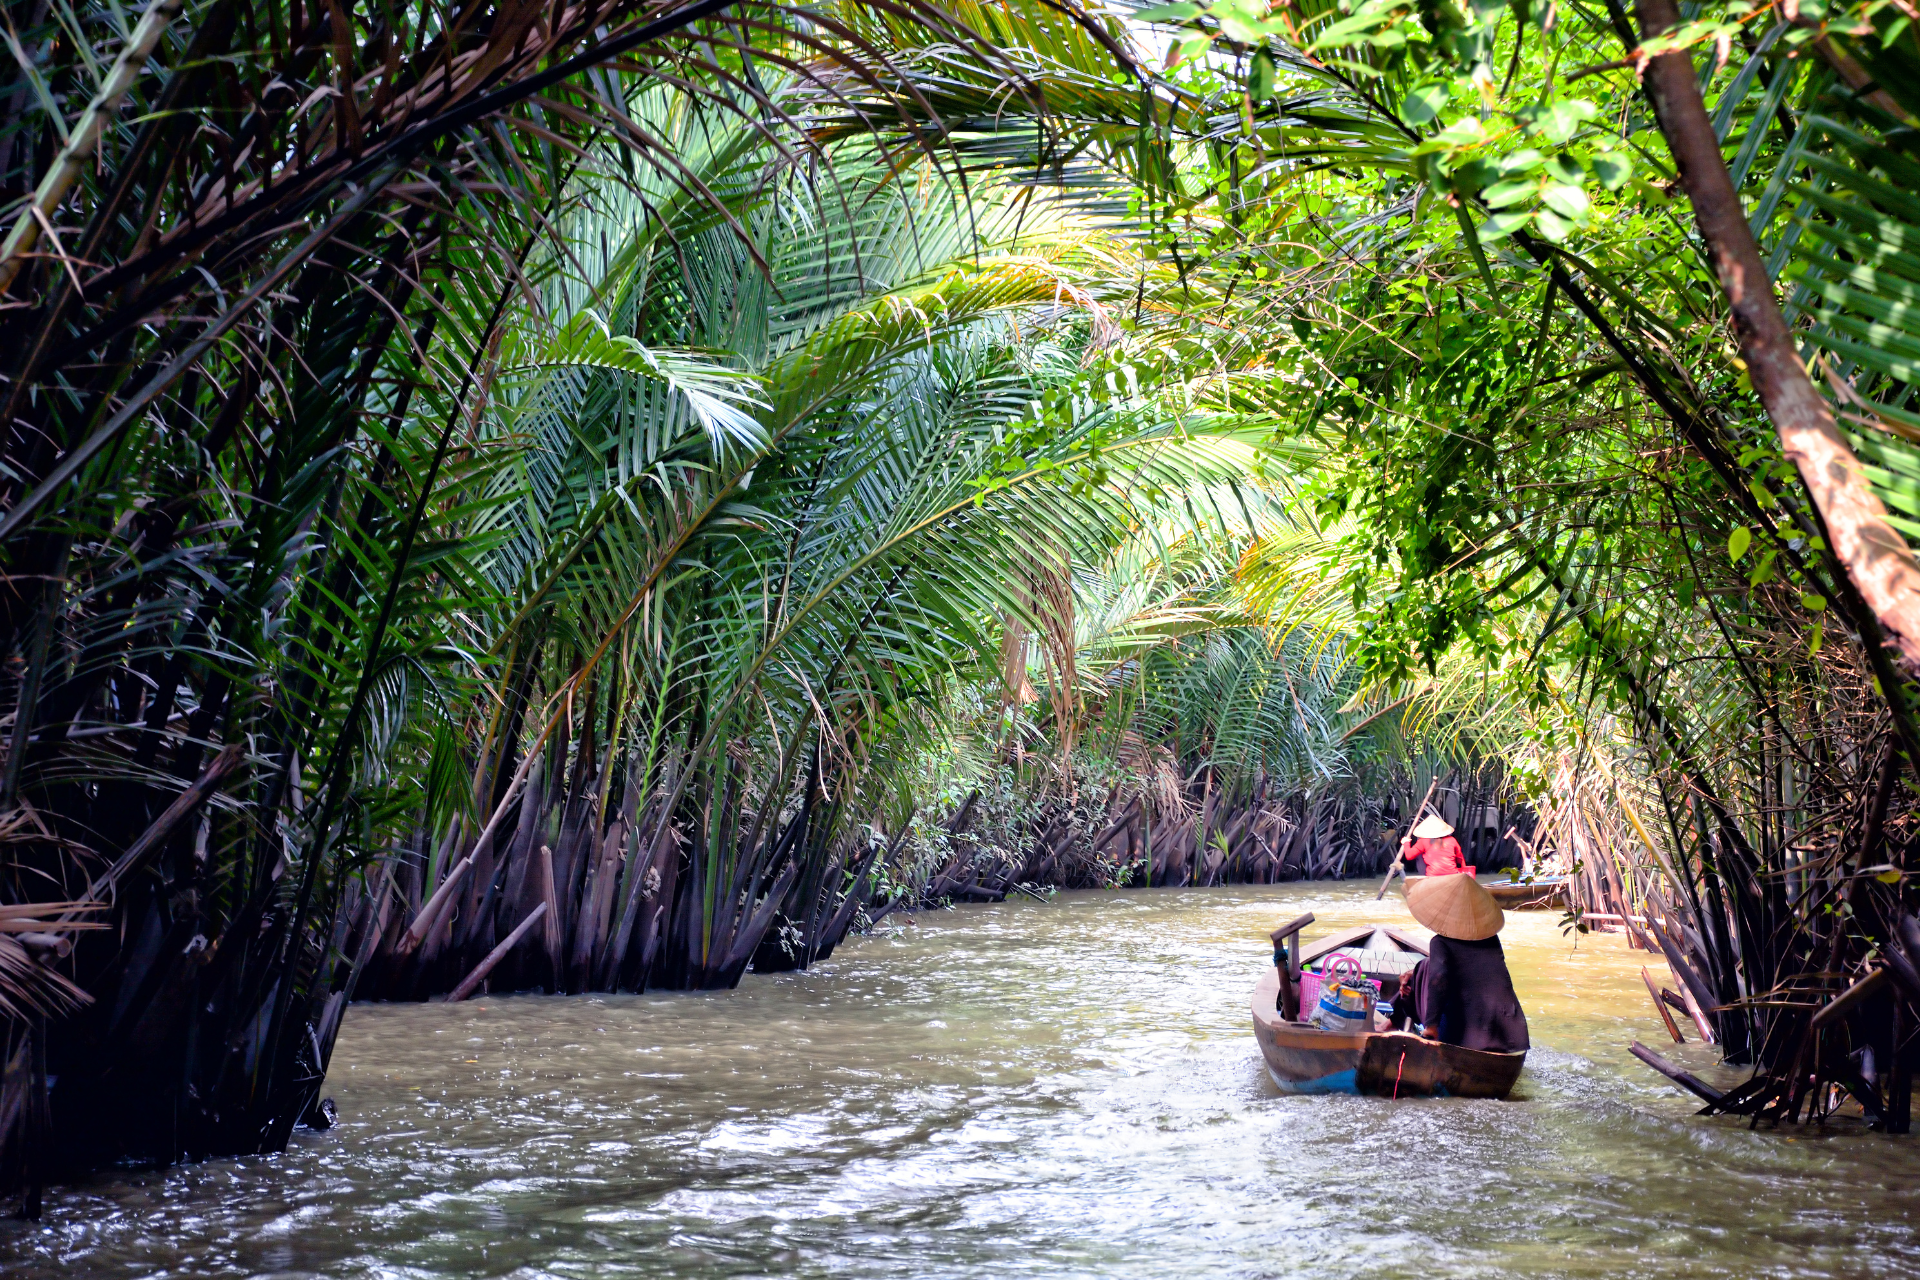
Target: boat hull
{"x": 1304, "y": 1059}
{"x": 1541, "y": 895}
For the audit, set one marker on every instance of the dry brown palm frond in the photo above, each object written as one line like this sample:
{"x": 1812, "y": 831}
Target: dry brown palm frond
{"x": 31, "y": 989}
{"x": 1016, "y": 688}
{"x": 49, "y": 917}
{"x": 14, "y": 912}
{"x": 1053, "y": 589}
{"x": 1158, "y": 772}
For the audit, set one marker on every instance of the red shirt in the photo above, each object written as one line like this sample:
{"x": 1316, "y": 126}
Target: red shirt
{"x": 1440, "y": 857}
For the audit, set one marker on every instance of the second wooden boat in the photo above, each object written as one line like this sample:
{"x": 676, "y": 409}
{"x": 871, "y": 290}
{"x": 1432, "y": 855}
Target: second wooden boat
{"x": 1302, "y": 1058}
{"x": 1542, "y": 894}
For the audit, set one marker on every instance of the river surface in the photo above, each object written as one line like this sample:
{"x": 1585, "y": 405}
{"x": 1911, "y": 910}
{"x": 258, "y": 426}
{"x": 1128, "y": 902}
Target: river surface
{"x": 1034, "y": 1089}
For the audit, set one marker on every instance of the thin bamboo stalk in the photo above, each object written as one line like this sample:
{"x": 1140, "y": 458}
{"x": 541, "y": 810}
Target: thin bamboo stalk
{"x": 72, "y": 158}
{"x": 471, "y": 983}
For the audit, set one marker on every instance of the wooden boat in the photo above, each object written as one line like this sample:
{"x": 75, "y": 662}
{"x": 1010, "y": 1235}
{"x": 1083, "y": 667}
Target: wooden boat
{"x": 1302, "y": 1058}
{"x": 1543, "y": 894}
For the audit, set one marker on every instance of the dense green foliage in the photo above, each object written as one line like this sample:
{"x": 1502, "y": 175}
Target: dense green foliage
{"x": 636, "y": 471}
{"x": 569, "y": 471}
{"x": 1504, "y": 314}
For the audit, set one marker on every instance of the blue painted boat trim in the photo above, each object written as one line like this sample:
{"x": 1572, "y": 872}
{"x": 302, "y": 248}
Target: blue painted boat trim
{"x": 1338, "y": 1082}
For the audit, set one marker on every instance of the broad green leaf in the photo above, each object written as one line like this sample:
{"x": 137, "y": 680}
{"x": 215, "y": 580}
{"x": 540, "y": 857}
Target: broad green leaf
{"x": 1464, "y": 132}
{"x": 1169, "y": 13}
{"x": 1509, "y": 221}
{"x": 1342, "y": 33}
{"x": 1260, "y": 77}
{"x": 1502, "y": 194}
{"x": 1525, "y": 160}
{"x": 1552, "y": 225}
{"x": 1423, "y": 104}
{"x": 1559, "y": 121}
{"x": 1612, "y": 168}
{"x": 1737, "y": 543}
{"x": 1567, "y": 201}
{"x": 1242, "y": 20}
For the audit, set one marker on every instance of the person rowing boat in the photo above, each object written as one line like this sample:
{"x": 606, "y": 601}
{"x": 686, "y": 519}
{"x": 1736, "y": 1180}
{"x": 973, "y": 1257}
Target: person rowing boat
{"x": 1431, "y": 841}
{"x": 1462, "y": 992}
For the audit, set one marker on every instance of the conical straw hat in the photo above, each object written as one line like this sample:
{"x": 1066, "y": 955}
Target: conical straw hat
{"x": 1456, "y": 907}
{"x": 1432, "y": 827}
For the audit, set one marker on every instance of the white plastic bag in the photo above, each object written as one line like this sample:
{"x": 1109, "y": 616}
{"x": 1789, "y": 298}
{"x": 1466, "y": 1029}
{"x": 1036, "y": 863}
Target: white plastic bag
{"x": 1345, "y": 1008}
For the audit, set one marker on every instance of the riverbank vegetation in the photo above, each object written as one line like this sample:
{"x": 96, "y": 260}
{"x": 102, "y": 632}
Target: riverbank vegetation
{"x": 599, "y": 498}
{"x": 1591, "y": 450}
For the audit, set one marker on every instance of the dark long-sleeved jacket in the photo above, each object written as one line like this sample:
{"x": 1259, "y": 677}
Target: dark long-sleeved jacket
{"x": 1467, "y": 994}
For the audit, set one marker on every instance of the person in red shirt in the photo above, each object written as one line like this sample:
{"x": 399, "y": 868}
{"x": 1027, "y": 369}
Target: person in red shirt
{"x": 1431, "y": 841}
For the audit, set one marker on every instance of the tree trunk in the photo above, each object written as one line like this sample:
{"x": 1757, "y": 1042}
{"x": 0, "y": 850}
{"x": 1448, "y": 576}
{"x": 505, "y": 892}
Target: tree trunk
{"x": 1876, "y": 557}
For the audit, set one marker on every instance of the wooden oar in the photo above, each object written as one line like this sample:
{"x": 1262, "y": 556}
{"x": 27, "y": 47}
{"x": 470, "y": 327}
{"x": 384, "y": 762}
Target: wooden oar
{"x": 1399, "y": 866}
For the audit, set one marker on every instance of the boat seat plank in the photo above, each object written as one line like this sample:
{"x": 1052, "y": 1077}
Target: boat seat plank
{"x": 1333, "y": 942}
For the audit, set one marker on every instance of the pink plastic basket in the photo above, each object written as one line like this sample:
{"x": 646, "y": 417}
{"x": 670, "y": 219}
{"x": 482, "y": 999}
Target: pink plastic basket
{"x": 1309, "y": 994}
{"x": 1310, "y": 984}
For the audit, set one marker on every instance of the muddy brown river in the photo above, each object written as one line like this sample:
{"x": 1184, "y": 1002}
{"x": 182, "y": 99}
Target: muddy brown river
{"x": 1050, "y": 1089}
